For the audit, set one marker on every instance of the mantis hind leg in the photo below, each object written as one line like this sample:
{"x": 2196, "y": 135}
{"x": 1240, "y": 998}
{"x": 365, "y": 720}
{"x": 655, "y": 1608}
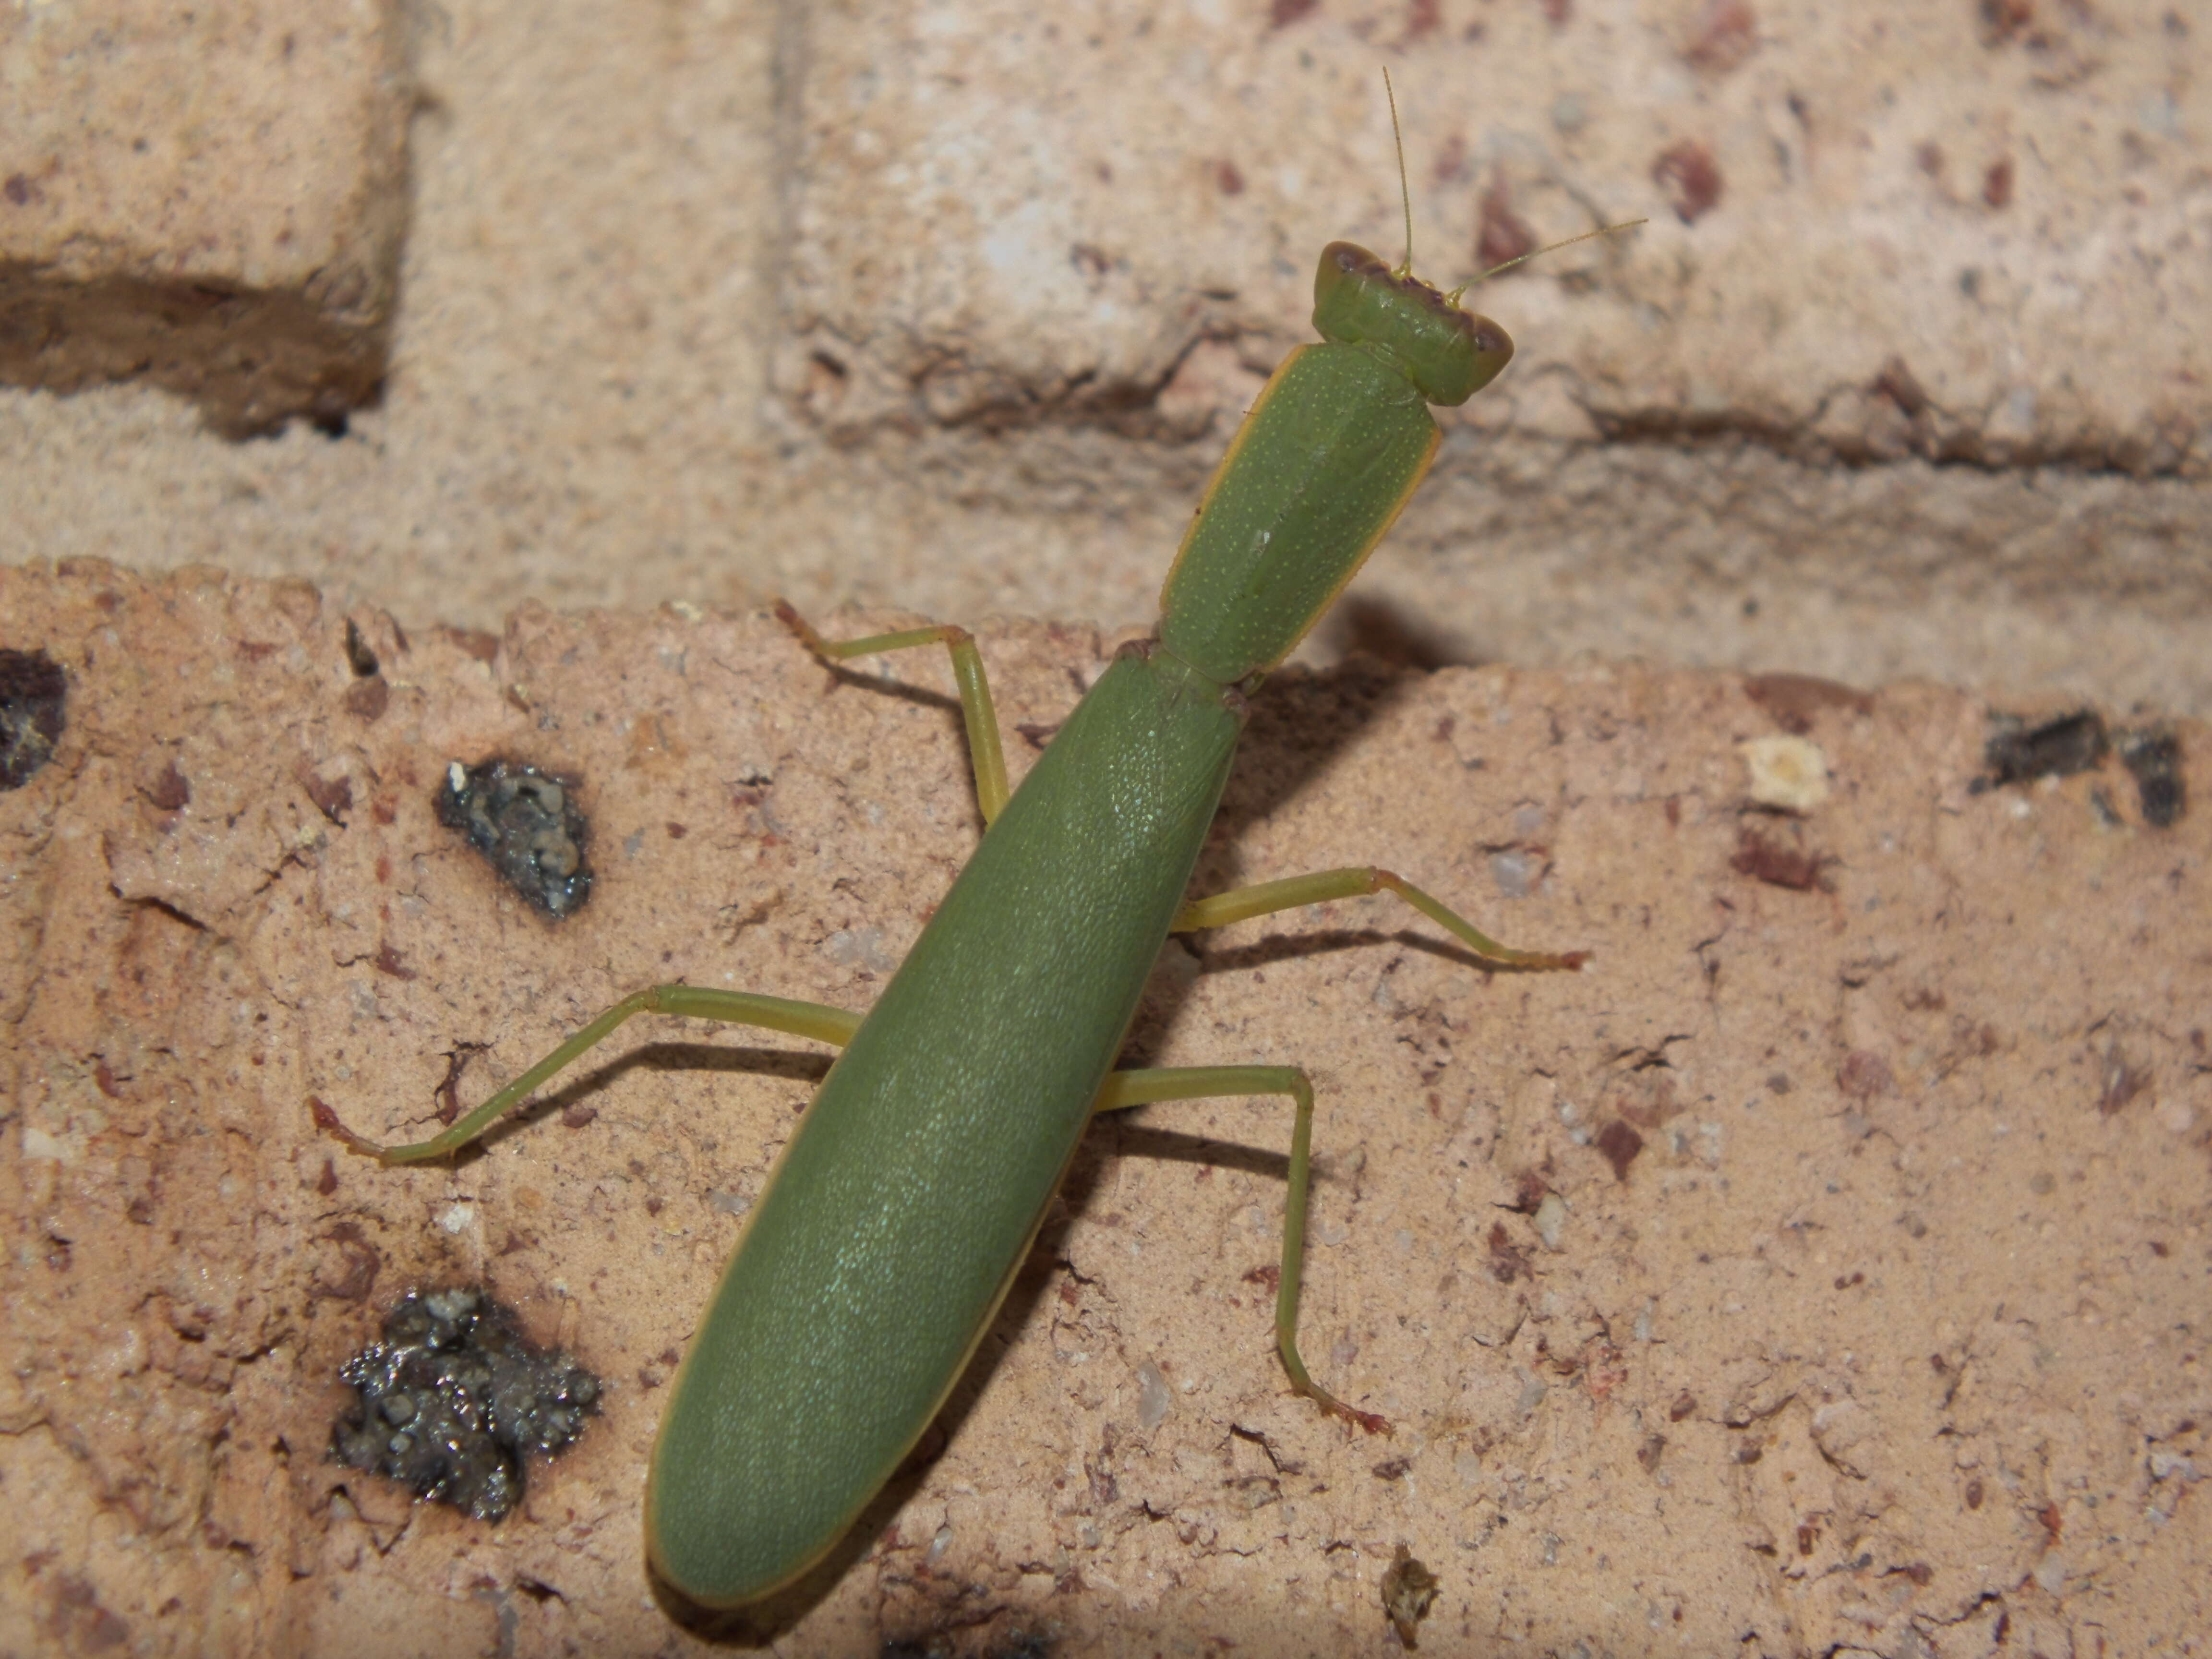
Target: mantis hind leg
{"x": 1122, "y": 1090}
{"x": 1357, "y": 881}
{"x": 985, "y": 752}
{"x": 834, "y": 1026}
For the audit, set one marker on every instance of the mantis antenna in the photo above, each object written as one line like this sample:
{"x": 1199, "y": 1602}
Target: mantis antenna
{"x": 1406, "y": 199}
{"x": 1405, "y": 190}
{"x": 1548, "y": 247}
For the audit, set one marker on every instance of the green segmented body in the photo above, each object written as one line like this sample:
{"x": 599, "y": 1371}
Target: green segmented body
{"x": 898, "y": 1213}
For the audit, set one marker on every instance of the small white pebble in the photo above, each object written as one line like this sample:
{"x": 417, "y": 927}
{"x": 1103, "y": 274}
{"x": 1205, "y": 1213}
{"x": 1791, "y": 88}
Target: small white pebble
{"x": 1153, "y": 1396}
{"x": 1514, "y": 874}
{"x": 1786, "y": 772}
{"x": 1550, "y": 1219}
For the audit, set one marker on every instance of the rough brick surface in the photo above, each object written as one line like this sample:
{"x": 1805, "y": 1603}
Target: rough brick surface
{"x": 1875, "y": 231}
{"x": 211, "y": 200}
{"x": 1816, "y": 1272}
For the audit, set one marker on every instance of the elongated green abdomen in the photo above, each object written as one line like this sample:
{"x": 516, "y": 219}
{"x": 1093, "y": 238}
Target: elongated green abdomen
{"x": 897, "y": 1215}
{"x": 1317, "y": 472}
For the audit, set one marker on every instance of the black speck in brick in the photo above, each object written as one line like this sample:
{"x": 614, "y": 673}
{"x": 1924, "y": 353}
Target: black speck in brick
{"x": 453, "y": 1400}
{"x": 33, "y": 697}
{"x": 2017, "y": 752}
{"x": 2154, "y": 758}
{"x": 361, "y": 657}
{"x": 526, "y": 823}
{"x": 1409, "y": 1591}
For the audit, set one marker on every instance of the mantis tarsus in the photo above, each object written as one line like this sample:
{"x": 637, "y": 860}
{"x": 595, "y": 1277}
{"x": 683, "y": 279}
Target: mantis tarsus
{"x": 894, "y": 1221}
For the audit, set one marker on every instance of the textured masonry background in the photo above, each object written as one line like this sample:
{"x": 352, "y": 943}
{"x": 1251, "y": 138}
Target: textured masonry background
{"x": 950, "y": 308}
{"x": 1872, "y": 1320}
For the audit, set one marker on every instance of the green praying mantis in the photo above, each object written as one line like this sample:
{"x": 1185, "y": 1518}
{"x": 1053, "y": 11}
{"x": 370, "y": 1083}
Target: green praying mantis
{"x": 894, "y": 1223}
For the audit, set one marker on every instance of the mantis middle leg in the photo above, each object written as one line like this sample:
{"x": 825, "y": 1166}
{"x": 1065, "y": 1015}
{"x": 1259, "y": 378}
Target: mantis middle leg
{"x": 1357, "y": 881}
